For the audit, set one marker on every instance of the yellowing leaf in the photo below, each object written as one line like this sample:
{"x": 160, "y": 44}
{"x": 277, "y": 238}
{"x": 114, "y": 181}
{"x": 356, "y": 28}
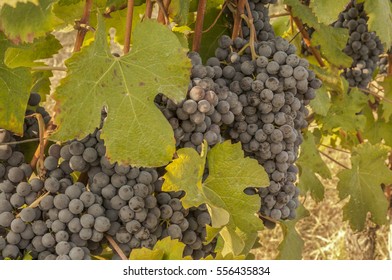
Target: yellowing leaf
{"x": 363, "y": 184}
{"x": 27, "y": 20}
{"x": 232, "y": 211}
{"x": 13, "y": 3}
{"x": 14, "y": 92}
{"x": 135, "y": 131}
{"x": 165, "y": 249}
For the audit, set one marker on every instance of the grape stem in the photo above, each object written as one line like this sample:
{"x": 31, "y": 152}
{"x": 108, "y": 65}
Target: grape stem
{"x": 128, "y": 28}
{"x": 35, "y": 202}
{"x": 306, "y": 38}
{"x": 20, "y": 142}
{"x": 279, "y": 15}
{"x": 43, "y": 142}
{"x": 389, "y": 64}
{"x": 334, "y": 160}
{"x": 116, "y": 247}
{"x": 249, "y": 22}
{"x": 376, "y": 95}
{"x": 201, "y": 10}
{"x": 83, "y": 21}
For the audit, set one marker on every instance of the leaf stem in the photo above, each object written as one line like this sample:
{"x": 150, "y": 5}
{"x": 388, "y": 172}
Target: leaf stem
{"x": 201, "y": 10}
{"x": 82, "y": 31}
{"x": 336, "y": 149}
{"x": 334, "y": 160}
{"x": 49, "y": 68}
{"x": 116, "y": 247}
{"x": 217, "y": 18}
{"x": 306, "y": 38}
{"x": 375, "y": 95}
{"x": 128, "y": 26}
{"x": 20, "y": 142}
{"x": 279, "y": 15}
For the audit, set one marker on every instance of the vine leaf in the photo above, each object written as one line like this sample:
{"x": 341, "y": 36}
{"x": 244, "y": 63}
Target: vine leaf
{"x": 387, "y": 106}
{"x": 13, "y": 3}
{"x": 322, "y": 102}
{"x": 27, "y": 54}
{"x": 332, "y": 39}
{"x": 231, "y": 210}
{"x": 344, "y": 111}
{"x": 377, "y": 130}
{"x": 380, "y": 19}
{"x": 135, "y": 131}
{"x": 363, "y": 184}
{"x": 28, "y": 21}
{"x": 179, "y": 11}
{"x": 310, "y": 163}
{"x": 14, "y": 92}
{"x": 292, "y": 244}
{"x": 327, "y": 11}
{"x": 165, "y": 249}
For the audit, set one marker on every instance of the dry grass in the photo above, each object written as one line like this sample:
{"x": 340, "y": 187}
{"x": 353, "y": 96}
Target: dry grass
{"x": 324, "y": 231}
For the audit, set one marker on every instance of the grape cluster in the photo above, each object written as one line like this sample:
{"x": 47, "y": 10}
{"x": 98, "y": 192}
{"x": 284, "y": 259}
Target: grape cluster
{"x": 72, "y": 218}
{"x": 186, "y": 225}
{"x": 261, "y": 20}
{"x": 206, "y": 108}
{"x": 30, "y": 127}
{"x": 273, "y": 91}
{"x": 363, "y": 46}
{"x": 383, "y": 65}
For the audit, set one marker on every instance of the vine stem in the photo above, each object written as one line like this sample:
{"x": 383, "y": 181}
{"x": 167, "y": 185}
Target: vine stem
{"x": 128, "y": 28}
{"x": 149, "y": 6}
{"x": 306, "y": 37}
{"x": 390, "y": 64}
{"x": 116, "y": 247}
{"x": 201, "y": 10}
{"x": 238, "y": 19}
{"x": 82, "y": 31}
{"x": 375, "y": 95}
{"x": 334, "y": 160}
{"x": 162, "y": 14}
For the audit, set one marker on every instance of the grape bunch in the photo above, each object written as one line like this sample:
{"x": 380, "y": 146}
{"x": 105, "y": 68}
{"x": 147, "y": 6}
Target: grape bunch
{"x": 261, "y": 20}
{"x": 363, "y": 46}
{"x": 30, "y": 127}
{"x": 186, "y": 225}
{"x": 273, "y": 90}
{"x": 205, "y": 110}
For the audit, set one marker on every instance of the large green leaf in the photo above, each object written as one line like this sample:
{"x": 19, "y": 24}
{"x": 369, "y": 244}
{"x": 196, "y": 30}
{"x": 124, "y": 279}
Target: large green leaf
{"x": 363, "y": 184}
{"x": 14, "y": 92}
{"x": 332, "y": 40}
{"x": 135, "y": 131}
{"x": 232, "y": 211}
{"x": 27, "y": 54}
{"x": 165, "y": 249}
{"x": 292, "y": 244}
{"x": 380, "y": 19}
{"x": 310, "y": 164}
{"x": 28, "y": 21}
{"x": 327, "y": 11}
{"x": 345, "y": 111}
{"x": 386, "y": 104}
